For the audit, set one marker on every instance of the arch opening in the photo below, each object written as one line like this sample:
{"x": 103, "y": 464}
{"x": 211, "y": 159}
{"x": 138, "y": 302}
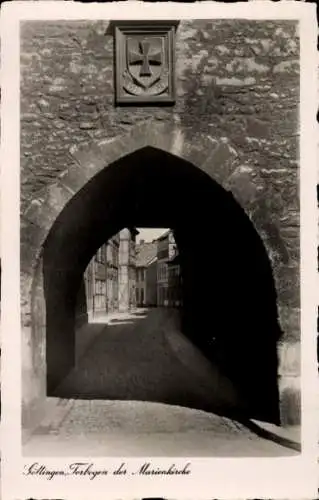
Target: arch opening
{"x": 229, "y": 299}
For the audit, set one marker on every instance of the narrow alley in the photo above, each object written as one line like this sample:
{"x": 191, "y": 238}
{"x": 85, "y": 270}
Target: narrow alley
{"x": 144, "y": 357}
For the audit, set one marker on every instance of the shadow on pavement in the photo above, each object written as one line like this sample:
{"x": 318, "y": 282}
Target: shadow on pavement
{"x": 131, "y": 359}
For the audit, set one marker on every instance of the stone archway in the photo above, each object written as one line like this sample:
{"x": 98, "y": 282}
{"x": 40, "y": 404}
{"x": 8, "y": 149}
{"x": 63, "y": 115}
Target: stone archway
{"x": 47, "y": 217}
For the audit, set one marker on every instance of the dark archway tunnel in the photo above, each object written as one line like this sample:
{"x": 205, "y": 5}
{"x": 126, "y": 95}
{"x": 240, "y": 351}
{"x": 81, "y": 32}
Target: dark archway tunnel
{"x": 229, "y": 298}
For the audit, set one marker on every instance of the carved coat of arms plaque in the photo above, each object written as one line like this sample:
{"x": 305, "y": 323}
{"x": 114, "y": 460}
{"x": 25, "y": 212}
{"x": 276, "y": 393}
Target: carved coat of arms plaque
{"x": 145, "y": 62}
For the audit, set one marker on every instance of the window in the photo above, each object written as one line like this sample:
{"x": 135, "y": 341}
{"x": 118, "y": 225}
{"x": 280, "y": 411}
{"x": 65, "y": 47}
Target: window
{"x": 163, "y": 271}
{"x": 99, "y": 294}
{"x": 115, "y": 255}
{"x": 100, "y": 255}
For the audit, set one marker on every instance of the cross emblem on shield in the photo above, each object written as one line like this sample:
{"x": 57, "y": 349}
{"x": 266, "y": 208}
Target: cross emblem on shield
{"x": 145, "y": 60}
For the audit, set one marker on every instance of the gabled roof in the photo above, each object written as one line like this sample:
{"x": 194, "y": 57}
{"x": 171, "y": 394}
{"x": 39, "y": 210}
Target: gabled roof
{"x": 152, "y": 260}
{"x": 164, "y": 235}
{"x": 146, "y": 253}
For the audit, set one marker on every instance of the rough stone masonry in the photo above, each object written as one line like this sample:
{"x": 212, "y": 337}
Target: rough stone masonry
{"x": 235, "y": 117}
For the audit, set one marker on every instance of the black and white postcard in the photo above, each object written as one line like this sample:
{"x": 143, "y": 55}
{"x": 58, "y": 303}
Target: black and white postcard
{"x": 159, "y": 250}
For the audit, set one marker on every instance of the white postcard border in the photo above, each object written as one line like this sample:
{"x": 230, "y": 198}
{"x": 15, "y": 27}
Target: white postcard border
{"x": 220, "y": 478}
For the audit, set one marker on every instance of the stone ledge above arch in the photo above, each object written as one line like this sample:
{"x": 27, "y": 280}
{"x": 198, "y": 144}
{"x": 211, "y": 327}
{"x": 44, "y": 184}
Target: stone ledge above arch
{"x": 32, "y": 236}
{"x": 72, "y": 177}
{"x": 207, "y": 153}
{"x": 245, "y": 190}
{"x": 43, "y": 210}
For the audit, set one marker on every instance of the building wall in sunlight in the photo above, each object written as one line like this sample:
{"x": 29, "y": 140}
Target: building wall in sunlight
{"x": 110, "y": 277}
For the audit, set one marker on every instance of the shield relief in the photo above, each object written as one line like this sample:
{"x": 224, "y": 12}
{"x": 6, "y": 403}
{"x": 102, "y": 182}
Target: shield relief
{"x": 145, "y": 58}
{"x": 145, "y": 62}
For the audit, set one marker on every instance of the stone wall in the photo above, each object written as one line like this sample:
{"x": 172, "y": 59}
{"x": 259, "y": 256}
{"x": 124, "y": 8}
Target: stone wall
{"x": 235, "y": 117}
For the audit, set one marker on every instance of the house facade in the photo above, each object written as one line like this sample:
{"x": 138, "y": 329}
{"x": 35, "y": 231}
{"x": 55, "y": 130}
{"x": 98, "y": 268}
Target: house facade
{"x": 110, "y": 277}
{"x": 166, "y": 251}
{"x": 174, "y": 281}
{"x": 146, "y": 274}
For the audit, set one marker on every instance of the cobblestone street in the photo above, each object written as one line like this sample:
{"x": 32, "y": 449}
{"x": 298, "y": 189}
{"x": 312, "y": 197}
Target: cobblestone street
{"x": 132, "y": 428}
{"x": 144, "y": 357}
{"x": 137, "y": 359}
